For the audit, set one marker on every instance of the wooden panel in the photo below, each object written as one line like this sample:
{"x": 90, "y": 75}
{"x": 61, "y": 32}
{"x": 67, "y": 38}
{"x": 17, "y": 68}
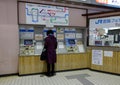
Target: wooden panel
{"x": 79, "y": 61}
{"x": 21, "y": 64}
{"x": 89, "y": 58}
{"x": 118, "y": 64}
{"x": 63, "y": 62}
{"x": 32, "y": 64}
{"x": 110, "y": 63}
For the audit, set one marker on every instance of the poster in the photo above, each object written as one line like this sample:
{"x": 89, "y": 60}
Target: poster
{"x": 46, "y": 15}
{"x": 97, "y": 57}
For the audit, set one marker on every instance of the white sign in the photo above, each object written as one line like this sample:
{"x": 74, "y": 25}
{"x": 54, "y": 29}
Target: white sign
{"x": 81, "y": 48}
{"x": 60, "y": 45}
{"x": 105, "y": 22}
{"x": 108, "y": 53}
{"x": 78, "y": 35}
{"x": 114, "y": 2}
{"x": 70, "y": 35}
{"x": 26, "y": 32}
{"x": 97, "y": 57}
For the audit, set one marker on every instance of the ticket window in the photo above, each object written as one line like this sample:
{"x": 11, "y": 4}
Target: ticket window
{"x": 70, "y": 40}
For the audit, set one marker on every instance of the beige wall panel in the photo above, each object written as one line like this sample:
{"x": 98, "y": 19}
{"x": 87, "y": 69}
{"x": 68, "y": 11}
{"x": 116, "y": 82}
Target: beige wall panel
{"x": 9, "y": 49}
{"x": 9, "y": 39}
{"x": 21, "y": 15}
{"x": 76, "y": 18}
{"x": 8, "y": 12}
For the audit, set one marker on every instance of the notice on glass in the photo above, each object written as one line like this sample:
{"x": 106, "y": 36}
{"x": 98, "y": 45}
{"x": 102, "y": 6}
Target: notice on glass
{"x": 26, "y": 32}
{"x": 81, "y": 48}
{"x": 38, "y": 48}
{"x": 60, "y": 45}
{"x": 97, "y": 57}
{"x": 78, "y": 35}
{"x": 108, "y": 53}
{"x": 60, "y": 36}
{"x": 69, "y": 35}
{"x": 38, "y": 37}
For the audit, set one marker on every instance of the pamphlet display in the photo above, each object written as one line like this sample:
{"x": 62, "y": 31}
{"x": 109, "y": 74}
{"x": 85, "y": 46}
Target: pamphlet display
{"x": 70, "y": 40}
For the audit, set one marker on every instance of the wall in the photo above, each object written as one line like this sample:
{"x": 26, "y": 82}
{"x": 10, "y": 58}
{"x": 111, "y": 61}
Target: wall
{"x": 8, "y": 37}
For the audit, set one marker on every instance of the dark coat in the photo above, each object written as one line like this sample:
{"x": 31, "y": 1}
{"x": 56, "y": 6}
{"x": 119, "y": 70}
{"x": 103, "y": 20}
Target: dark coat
{"x": 51, "y": 45}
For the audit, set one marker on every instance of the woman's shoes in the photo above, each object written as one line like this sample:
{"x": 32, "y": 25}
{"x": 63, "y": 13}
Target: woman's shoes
{"x": 53, "y": 73}
{"x": 50, "y": 74}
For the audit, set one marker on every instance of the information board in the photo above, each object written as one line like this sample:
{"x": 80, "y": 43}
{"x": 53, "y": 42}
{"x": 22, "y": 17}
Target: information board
{"x": 42, "y": 14}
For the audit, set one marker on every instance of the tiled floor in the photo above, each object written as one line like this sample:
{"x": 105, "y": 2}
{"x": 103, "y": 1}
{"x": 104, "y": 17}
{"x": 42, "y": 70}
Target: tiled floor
{"x": 81, "y": 77}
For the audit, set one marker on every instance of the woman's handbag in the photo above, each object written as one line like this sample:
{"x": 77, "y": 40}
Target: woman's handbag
{"x": 43, "y": 54}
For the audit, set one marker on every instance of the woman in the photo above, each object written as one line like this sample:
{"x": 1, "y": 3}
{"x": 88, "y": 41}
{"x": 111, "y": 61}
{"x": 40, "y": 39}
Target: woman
{"x": 50, "y": 46}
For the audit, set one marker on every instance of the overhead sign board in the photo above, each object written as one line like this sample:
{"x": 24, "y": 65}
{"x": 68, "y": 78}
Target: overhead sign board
{"x": 113, "y": 3}
{"x": 109, "y": 3}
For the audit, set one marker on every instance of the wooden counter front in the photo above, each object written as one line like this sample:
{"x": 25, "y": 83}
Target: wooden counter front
{"x": 110, "y": 64}
{"x": 33, "y": 64}
{"x": 118, "y": 63}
